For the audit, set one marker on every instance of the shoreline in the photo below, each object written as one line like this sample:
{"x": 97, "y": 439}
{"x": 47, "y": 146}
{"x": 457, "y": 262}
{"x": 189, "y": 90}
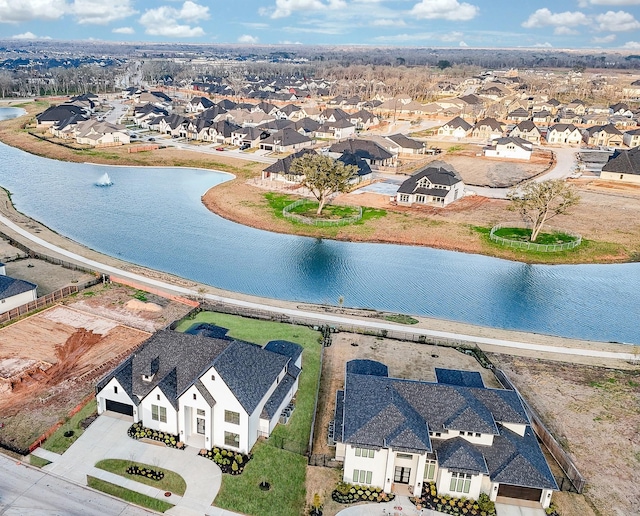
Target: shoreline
{"x": 494, "y": 340}
{"x": 458, "y": 229}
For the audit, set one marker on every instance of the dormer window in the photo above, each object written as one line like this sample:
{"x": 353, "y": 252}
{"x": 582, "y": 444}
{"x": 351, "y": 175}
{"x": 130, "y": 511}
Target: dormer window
{"x": 147, "y": 377}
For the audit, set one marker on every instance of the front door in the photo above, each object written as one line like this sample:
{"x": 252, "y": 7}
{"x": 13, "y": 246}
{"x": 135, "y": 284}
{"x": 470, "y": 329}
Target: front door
{"x": 200, "y": 425}
{"x": 402, "y": 475}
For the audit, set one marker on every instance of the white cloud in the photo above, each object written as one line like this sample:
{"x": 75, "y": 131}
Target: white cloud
{"x": 165, "y": 20}
{"x": 101, "y": 13}
{"x": 544, "y": 17}
{"x": 619, "y": 21}
{"x": 284, "y": 8}
{"x": 444, "y": 9}
{"x": 247, "y": 38}
{"x": 124, "y": 30}
{"x": 586, "y": 3}
{"x": 387, "y": 22}
{"x": 634, "y": 45}
{"x": 29, "y": 35}
{"x": 546, "y": 44}
{"x": 565, "y": 31}
{"x": 14, "y": 11}
{"x": 462, "y": 44}
{"x": 451, "y": 36}
{"x": 604, "y": 39}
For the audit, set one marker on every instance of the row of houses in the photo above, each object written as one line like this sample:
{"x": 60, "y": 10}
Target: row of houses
{"x": 490, "y": 128}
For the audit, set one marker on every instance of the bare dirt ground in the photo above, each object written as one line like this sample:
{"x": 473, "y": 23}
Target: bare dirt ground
{"x": 404, "y": 359}
{"x": 50, "y": 362}
{"x": 47, "y": 276}
{"x": 595, "y": 414}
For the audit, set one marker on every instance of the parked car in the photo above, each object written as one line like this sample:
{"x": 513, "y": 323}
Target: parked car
{"x": 220, "y": 149}
{"x": 152, "y": 139}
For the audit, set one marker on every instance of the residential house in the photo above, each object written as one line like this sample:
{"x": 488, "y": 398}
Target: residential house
{"x": 373, "y": 153}
{"x": 15, "y": 292}
{"x": 211, "y": 391}
{"x": 511, "y": 147}
{"x": 457, "y": 128}
{"x": 281, "y": 169}
{"x": 290, "y": 112}
{"x": 603, "y": 135}
{"x": 306, "y": 126}
{"x": 624, "y": 166}
{"x": 198, "y": 104}
{"x": 101, "y": 134}
{"x": 333, "y": 115}
{"x": 567, "y": 116}
{"x": 56, "y": 114}
{"x": 363, "y": 119}
{"x": 397, "y": 435}
{"x": 631, "y": 138}
{"x": 564, "y": 133}
{"x": 286, "y": 140}
{"x": 436, "y": 184}
{"x": 363, "y": 169}
{"x": 621, "y": 109}
{"x": 248, "y": 137}
{"x": 487, "y": 129}
{"x": 527, "y": 130}
{"x": 542, "y": 117}
{"x": 406, "y": 145}
{"x": 518, "y": 115}
{"x": 342, "y": 128}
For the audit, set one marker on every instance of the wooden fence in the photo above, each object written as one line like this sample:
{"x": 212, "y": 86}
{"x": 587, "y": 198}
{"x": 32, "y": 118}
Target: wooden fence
{"x": 561, "y": 457}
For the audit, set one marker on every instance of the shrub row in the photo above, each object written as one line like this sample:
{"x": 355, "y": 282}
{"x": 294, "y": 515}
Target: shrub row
{"x": 446, "y": 504}
{"x": 350, "y": 493}
{"x": 137, "y": 431}
{"x": 145, "y": 472}
{"x": 230, "y": 462}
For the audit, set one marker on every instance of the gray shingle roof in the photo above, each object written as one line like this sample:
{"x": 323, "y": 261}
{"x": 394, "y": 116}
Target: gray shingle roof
{"x": 461, "y": 456}
{"x": 624, "y": 162}
{"x": 436, "y": 176}
{"x": 365, "y": 149}
{"x": 285, "y": 348}
{"x": 369, "y": 367}
{"x": 283, "y": 166}
{"x": 457, "y": 377}
{"x": 10, "y": 287}
{"x": 405, "y": 142}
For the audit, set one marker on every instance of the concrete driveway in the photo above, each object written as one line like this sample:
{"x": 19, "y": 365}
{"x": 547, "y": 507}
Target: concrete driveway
{"x": 107, "y": 438}
{"x": 516, "y": 510}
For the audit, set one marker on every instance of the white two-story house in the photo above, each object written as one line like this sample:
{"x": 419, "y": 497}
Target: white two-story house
{"x": 209, "y": 391}
{"x": 437, "y": 184}
{"x": 399, "y": 434}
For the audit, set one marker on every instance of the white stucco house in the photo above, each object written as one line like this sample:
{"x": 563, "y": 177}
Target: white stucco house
{"x": 399, "y": 434}
{"x": 623, "y": 166}
{"x": 437, "y": 184}
{"x": 511, "y": 147}
{"x": 211, "y": 391}
{"x": 14, "y": 292}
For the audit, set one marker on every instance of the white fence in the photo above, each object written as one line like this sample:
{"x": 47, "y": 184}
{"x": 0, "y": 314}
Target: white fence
{"x": 533, "y": 246}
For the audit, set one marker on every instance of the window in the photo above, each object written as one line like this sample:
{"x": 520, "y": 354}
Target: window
{"x": 194, "y": 396}
{"x": 360, "y": 476}
{"x": 460, "y": 483}
{"x": 470, "y": 434}
{"x": 232, "y": 417}
{"x": 158, "y": 397}
{"x": 404, "y": 456}
{"x": 159, "y": 413}
{"x": 115, "y": 389}
{"x": 438, "y": 434}
{"x": 231, "y": 439}
{"x": 200, "y": 412}
{"x": 430, "y": 470}
{"x": 361, "y": 452}
{"x": 478, "y": 434}
{"x": 213, "y": 377}
{"x": 404, "y": 198}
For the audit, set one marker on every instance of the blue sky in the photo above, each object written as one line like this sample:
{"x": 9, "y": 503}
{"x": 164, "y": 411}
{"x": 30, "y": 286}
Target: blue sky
{"x": 444, "y": 23}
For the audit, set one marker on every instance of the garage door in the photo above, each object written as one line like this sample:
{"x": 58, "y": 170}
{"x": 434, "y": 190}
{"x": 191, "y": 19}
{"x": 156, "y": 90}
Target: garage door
{"x": 522, "y": 493}
{"x": 120, "y": 408}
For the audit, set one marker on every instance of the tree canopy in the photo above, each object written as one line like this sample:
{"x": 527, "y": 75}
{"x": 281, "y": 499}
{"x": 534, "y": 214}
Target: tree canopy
{"x": 323, "y": 176}
{"x": 539, "y": 202}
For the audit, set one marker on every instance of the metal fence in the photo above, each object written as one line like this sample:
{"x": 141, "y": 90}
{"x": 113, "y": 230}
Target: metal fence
{"x": 561, "y": 457}
{"x": 286, "y": 212}
{"x": 533, "y": 246}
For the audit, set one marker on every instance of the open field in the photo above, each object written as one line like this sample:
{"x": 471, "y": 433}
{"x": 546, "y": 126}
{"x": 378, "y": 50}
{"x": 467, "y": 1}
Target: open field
{"x": 49, "y": 362}
{"x": 595, "y": 414}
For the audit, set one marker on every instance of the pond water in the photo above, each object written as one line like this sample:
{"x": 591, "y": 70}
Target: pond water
{"x": 154, "y": 217}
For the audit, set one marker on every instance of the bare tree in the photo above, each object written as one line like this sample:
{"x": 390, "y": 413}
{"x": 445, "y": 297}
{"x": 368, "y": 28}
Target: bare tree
{"x": 539, "y": 202}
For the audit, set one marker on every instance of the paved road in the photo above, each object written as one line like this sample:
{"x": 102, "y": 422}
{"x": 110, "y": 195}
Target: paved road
{"x": 320, "y": 318}
{"x": 27, "y": 490}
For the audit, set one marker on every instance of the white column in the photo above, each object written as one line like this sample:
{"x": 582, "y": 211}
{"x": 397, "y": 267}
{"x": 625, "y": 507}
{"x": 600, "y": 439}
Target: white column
{"x": 389, "y": 471}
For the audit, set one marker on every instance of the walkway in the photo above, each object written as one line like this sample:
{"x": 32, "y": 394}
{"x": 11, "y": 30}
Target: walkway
{"x": 106, "y": 438}
{"x": 400, "y": 506}
{"x": 319, "y": 318}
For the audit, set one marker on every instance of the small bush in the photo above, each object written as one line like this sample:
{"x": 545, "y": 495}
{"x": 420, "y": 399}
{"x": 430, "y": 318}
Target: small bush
{"x": 229, "y": 461}
{"x": 346, "y": 493}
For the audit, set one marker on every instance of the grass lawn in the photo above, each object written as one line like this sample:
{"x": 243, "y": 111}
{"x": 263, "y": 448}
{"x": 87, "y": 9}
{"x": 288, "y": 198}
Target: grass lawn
{"x": 523, "y": 235}
{"x": 58, "y": 443}
{"x": 284, "y": 470}
{"x": 127, "y": 495}
{"x": 171, "y": 481}
{"x": 37, "y": 461}
{"x": 401, "y": 319}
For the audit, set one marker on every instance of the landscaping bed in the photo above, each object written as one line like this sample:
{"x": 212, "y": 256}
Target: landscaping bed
{"x": 346, "y": 493}
{"x": 446, "y": 504}
{"x": 164, "y": 480}
{"x": 137, "y": 431}
{"x": 229, "y": 461}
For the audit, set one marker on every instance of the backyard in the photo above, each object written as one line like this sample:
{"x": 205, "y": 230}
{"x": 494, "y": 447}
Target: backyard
{"x": 279, "y": 460}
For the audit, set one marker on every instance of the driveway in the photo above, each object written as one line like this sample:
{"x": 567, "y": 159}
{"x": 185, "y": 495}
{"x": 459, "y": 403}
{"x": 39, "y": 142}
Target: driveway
{"x": 503, "y": 509}
{"x": 107, "y": 438}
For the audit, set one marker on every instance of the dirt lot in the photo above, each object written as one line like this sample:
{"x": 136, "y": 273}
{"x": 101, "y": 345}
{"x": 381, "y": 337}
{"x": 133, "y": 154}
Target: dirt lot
{"x": 50, "y": 362}
{"x": 404, "y": 359}
{"x": 47, "y": 276}
{"x": 595, "y": 414}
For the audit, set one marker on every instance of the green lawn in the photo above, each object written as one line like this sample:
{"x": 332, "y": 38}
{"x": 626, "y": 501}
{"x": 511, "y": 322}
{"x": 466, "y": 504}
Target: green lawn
{"x": 127, "y": 495}
{"x": 37, "y": 461}
{"x": 171, "y": 481}
{"x": 401, "y": 319}
{"x": 523, "y": 235}
{"x": 283, "y": 469}
{"x": 58, "y": 443}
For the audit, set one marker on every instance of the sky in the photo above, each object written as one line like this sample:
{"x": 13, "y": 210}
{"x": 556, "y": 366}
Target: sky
{"x": 439, "y": 23}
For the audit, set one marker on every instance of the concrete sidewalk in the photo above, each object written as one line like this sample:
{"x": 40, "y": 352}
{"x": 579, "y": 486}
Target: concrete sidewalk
{"x": 106, "y": 438}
